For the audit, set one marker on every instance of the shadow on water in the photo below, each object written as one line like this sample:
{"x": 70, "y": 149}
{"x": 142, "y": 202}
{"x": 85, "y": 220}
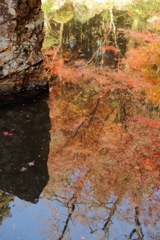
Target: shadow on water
{"x": 24, "y": 145}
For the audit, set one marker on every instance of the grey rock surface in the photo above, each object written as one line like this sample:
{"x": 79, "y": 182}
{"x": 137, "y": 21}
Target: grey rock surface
{"x": 21, "y": 37}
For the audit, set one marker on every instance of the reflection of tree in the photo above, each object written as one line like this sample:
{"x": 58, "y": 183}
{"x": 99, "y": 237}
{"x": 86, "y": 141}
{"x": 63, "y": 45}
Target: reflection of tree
{"x": 108, "y": 222}
{"x": 79, "y": 212}
{"x": 100, "y": 218}
{"x": 60, "y": 14}
{"x": 4, "y": 205}
{"x": 71, "y": 210}
{"x": 64, "y": 13}
{"x": 86, "y": 10}
{"x": 104, "y": 134}
{"x": 61, "y": 36}
{"x": 87, "y": 27}
{"x": 139, "y": 231}
{"x": 100, "y": 147}
{"x": 117, "y": 145}
{"x": 94, "y": 34}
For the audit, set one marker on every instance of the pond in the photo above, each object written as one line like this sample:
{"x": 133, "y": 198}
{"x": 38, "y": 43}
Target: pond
{"x": 68, "y": 172}
{"x": 82, "y": 160}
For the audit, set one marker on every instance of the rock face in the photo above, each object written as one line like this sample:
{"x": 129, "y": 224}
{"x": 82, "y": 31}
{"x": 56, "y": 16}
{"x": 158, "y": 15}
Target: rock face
{"x": 21, "y": 37}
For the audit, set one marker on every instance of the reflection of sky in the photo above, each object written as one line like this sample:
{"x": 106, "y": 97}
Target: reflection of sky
{"x": 47, "y": 218}
{"x": 24, "y": 221}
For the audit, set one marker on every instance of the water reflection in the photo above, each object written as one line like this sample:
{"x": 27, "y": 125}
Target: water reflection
{"x": 83, "y": 28}
{"x": 87, "y": 218}
{"x": 24, "y": 147}
{"x": 94, "y": 173}
{"x": 103, "y": 166}
{"x": 104, "y": 150}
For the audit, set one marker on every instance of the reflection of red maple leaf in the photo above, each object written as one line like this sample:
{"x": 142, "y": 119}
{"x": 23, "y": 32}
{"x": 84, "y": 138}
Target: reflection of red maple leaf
{"x": 148, "y": 165}
{"x": 157, "y": 155}
{"x": 148, "y": 161}
{"x": 151, "y": 122}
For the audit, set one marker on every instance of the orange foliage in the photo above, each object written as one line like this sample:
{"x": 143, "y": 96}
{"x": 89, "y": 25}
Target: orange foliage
{"x": 97, "y": 154}
{"x": 146, "y": 58}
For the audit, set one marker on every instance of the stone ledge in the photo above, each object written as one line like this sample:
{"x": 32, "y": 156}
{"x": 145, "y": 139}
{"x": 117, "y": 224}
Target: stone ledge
{"x": 33, "y": 78}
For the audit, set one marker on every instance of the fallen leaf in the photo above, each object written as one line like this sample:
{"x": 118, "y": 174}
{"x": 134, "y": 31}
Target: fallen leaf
{"x": 31, "y": 163}
{"x": 47, "y": 196}
{"x": 23, "y": 169}
{"x": 9, "y": 216}
{"x": 7, "y": 134}
{"x": 14, "y": 226}
{"x": 104, "y": 138}
{"x": 67, "y": 189}
{"x": 56, "y": 209}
